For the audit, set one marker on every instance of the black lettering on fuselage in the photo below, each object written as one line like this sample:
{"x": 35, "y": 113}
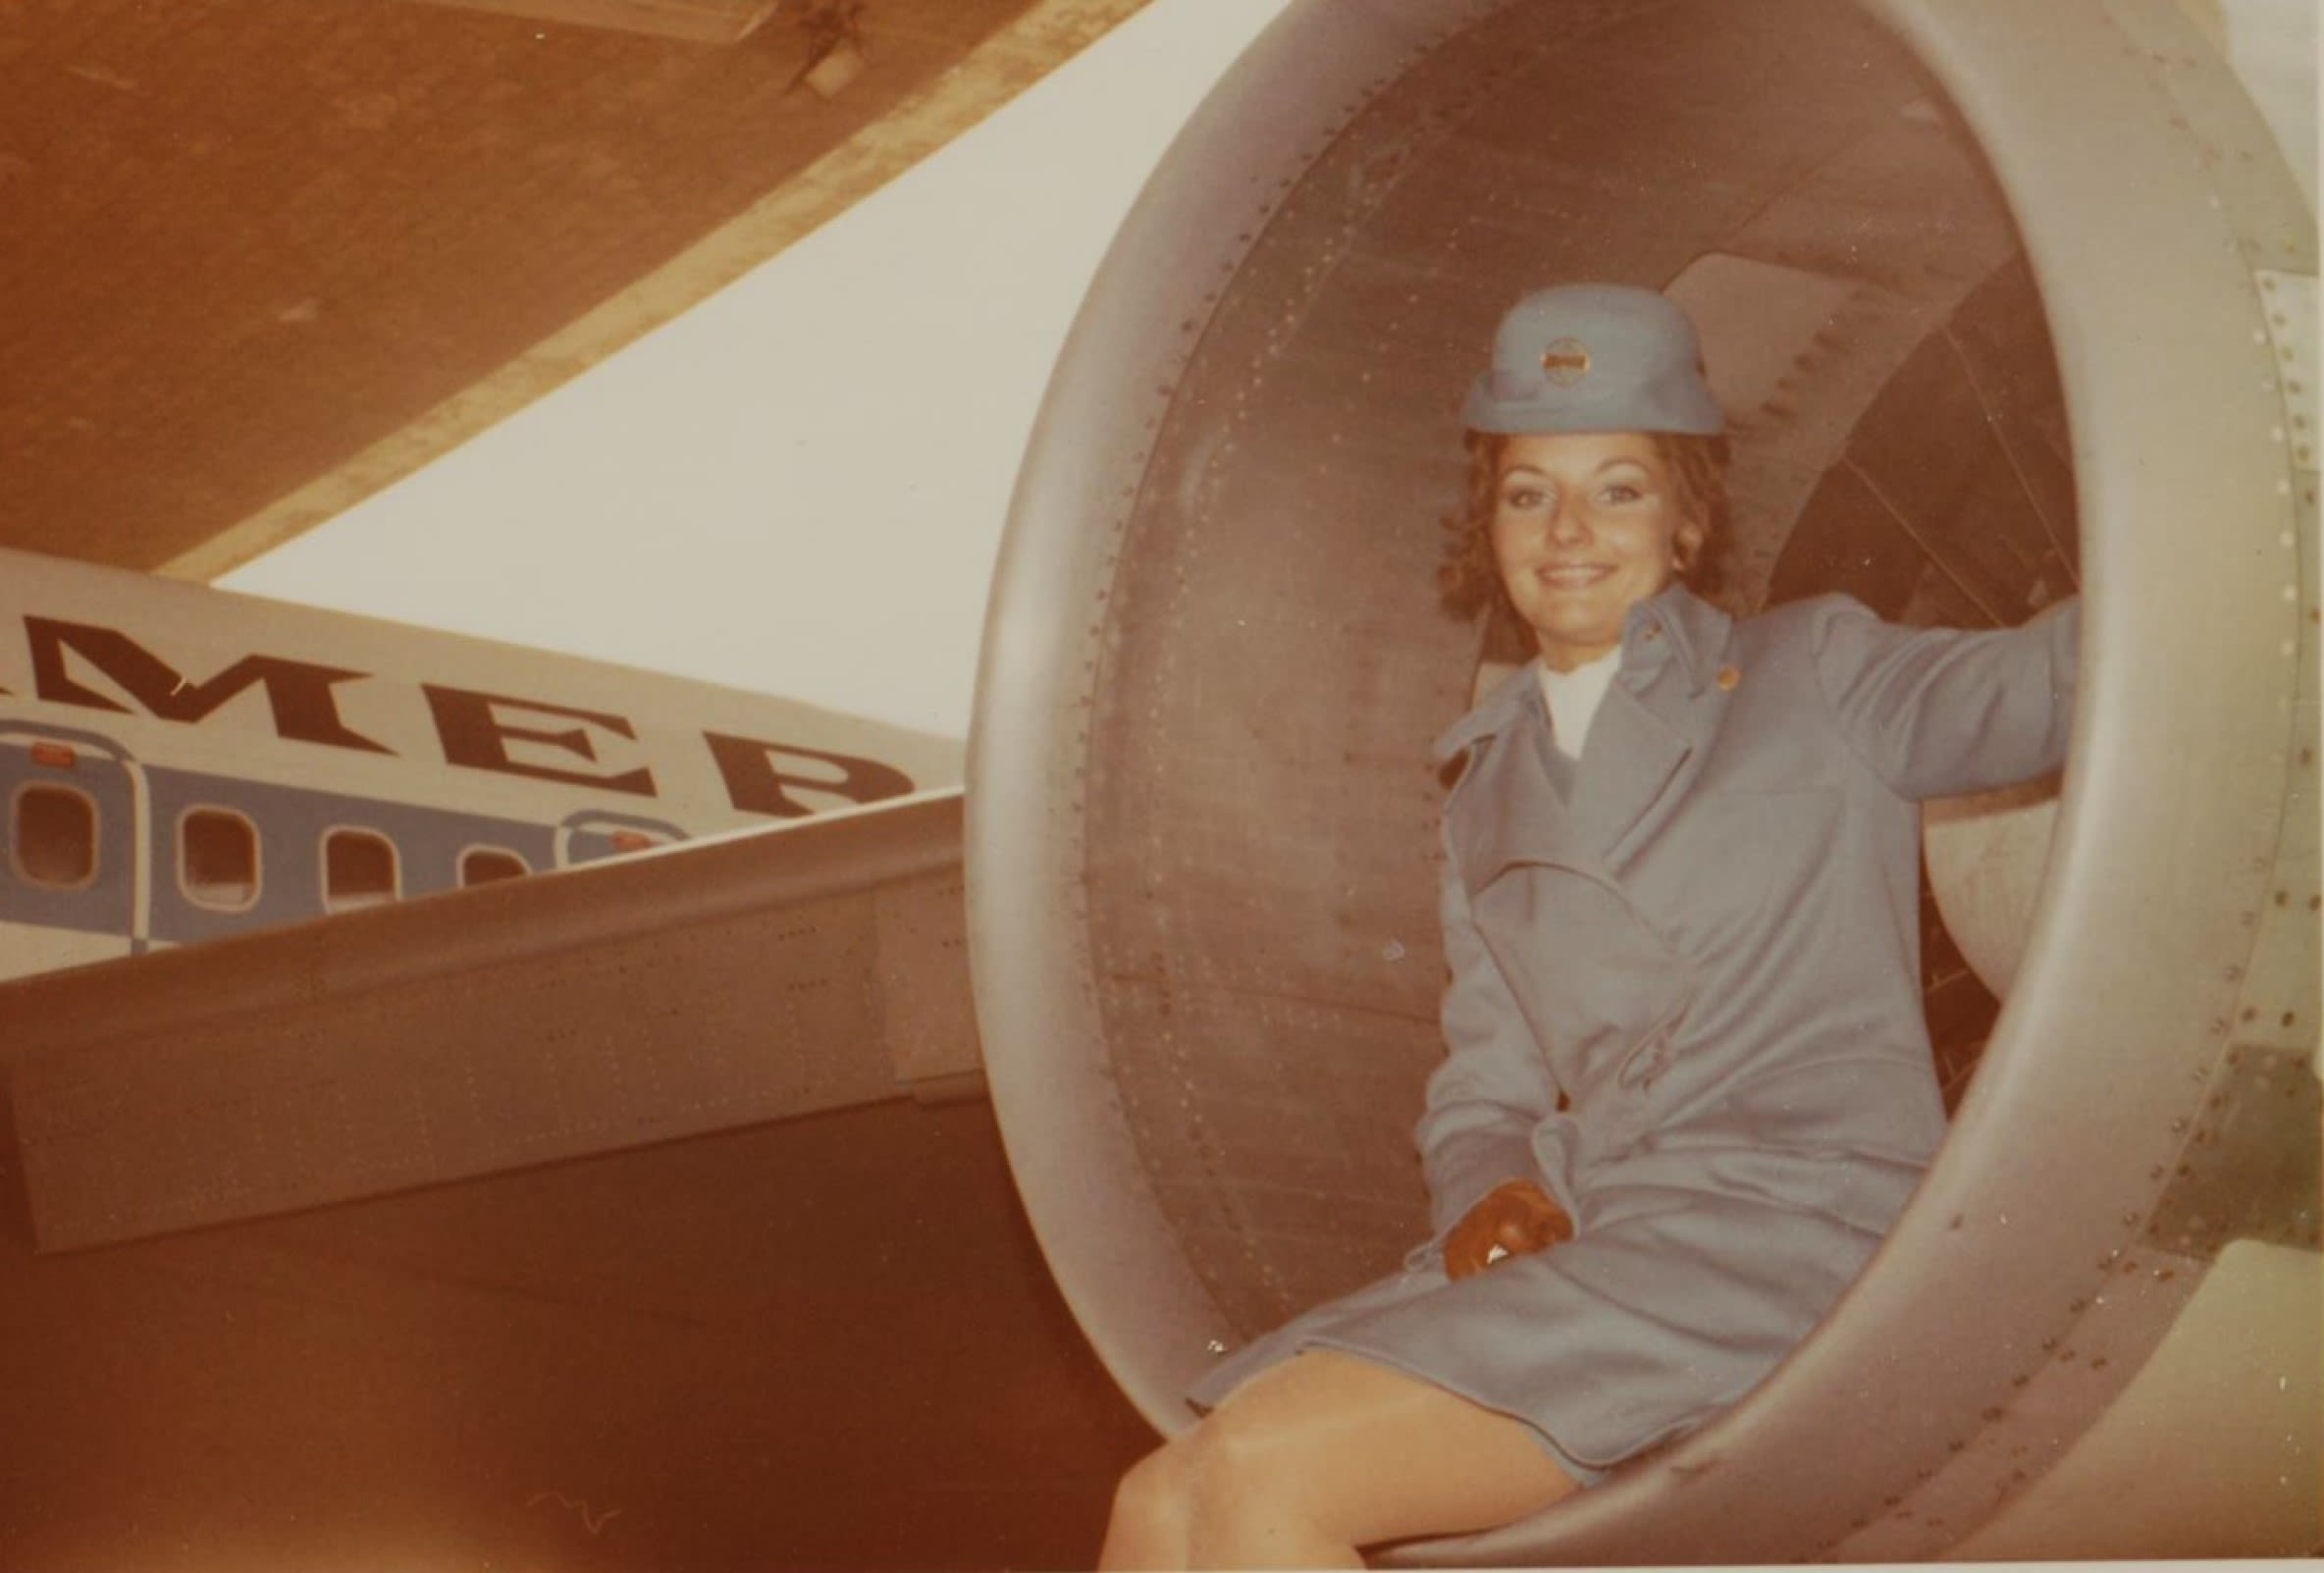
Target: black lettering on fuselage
{"x": 474, "y": 734}
{"x": 299, "y": 693}
{"x": 754, "y": 786}
{"x": 474, "y": 729}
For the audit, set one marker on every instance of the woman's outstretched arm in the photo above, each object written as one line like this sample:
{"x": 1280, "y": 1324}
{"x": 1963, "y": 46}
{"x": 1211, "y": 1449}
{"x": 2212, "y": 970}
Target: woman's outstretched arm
{"x": 1939, "y": 711}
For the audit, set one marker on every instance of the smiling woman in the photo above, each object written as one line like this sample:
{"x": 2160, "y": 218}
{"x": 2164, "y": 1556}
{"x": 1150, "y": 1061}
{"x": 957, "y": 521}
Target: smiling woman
{"x": 1578, "y": 505}
{"x": 1687, "y": 1084}
{"x": 1585, "y": 525}
{"x": 1690, "y": 472}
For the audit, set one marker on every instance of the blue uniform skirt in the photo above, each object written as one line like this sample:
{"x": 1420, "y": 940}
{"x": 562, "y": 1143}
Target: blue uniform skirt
{"x": 1668, "y": 1305}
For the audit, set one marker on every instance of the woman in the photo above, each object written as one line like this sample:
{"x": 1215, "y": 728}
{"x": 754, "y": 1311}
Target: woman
{"x": 1687, "y": 1084}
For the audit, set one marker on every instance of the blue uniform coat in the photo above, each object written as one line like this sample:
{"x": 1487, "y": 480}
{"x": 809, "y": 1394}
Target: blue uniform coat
{"x": 1685, "y": 1001}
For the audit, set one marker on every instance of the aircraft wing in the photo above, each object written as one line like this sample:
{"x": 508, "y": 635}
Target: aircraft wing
{"x": 718, "y": 983}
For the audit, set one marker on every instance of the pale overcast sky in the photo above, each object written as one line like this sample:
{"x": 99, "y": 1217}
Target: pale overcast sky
{"x": 799, "y": 486}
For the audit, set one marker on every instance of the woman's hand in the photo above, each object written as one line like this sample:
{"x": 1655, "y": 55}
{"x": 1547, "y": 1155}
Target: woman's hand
{"x": 1515, "y": 1216}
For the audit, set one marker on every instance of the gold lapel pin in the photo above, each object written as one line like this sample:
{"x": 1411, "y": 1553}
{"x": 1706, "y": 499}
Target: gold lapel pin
{"x": 1728, "y": 677}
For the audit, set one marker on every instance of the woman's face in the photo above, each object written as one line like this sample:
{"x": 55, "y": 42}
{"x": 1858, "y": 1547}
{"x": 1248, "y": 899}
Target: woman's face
{"x": 1585, "y": 526}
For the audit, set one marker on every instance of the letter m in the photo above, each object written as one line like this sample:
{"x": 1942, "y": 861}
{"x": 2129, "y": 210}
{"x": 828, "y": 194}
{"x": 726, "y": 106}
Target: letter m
{"x": 305, "y": 710}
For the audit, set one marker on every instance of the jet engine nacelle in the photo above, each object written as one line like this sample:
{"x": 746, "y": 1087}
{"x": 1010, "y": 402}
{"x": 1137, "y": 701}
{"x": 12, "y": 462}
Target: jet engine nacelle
{"x": 2004, "y": 301}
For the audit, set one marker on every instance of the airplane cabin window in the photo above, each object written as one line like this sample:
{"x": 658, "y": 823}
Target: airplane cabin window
{"x": 55, "y": 840}
{"x": 482, "y": 865}
{"x": 218, "y": 859}
{"x": 358, "y": 870}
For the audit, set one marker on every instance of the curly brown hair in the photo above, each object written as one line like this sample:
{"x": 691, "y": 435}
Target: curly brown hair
{"x": 1468, "y": 579}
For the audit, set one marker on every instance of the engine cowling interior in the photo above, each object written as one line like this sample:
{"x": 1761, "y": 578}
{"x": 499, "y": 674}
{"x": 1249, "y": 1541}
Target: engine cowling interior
{"x": 1202, "y": 823}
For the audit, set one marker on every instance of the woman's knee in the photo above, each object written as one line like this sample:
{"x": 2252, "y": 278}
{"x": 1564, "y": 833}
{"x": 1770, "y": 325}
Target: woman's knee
{"x": 1153, "y": 1487}
{"x": 1211, "y": 1470}
{"x": 1205, "y": 1488}
{"x": 1238, "y": 1463}
{"x": 1150, "y": 1511}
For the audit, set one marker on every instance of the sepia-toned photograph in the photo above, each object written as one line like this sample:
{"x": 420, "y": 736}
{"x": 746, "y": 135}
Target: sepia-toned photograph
{"x": 1051, "y": 784}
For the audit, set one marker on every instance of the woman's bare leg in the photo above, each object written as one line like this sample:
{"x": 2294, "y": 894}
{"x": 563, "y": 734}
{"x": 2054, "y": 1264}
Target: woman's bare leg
{"x": 1320, "y": 1455}
{"x": 1149, "y": 1526}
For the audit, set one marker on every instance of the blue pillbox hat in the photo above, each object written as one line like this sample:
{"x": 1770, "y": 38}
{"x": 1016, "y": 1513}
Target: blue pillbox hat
{"x": 1594, "y": 357}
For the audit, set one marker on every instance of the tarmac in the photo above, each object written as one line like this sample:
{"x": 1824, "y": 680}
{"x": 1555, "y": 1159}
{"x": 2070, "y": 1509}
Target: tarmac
{"x": 828, "y": 1344}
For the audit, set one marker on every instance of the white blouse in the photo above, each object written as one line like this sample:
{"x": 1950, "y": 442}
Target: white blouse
{"x": 1574, "y": 697}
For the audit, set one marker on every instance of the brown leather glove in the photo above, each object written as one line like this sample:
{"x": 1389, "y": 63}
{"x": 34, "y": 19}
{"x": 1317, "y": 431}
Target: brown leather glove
{"x": 1515, "y": 1216}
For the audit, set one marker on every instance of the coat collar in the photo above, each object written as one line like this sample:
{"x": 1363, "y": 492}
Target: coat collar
{"x": 1673, "y": 626}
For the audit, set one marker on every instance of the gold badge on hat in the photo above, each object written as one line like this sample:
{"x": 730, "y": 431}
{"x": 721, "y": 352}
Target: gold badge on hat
{"x": 1567, "y": 361}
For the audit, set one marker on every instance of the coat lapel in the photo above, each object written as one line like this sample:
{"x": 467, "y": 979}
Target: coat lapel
{"x": 1509, "y": 808}
{"x": 1654, "y": 726}
{"x": 1642, "y": 752}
